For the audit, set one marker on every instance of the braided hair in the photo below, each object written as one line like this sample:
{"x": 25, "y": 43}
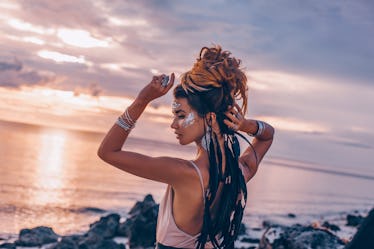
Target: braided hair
{"x": 212, "y": 85}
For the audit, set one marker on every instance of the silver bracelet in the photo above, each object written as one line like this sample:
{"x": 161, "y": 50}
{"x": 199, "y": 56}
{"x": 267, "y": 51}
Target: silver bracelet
{"x": 126, "y": 123}
{"x": 261, "y": 128}
{"x": 128, "y": 117}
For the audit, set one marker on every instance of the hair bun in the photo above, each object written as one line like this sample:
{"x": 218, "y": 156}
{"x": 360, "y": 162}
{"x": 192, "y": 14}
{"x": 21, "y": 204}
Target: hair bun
{"x": 216, "y": 68}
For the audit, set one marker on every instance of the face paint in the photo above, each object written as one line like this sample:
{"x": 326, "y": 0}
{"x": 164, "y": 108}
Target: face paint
{"x": 175, "y": 106}
{"x": 189, "y": 120}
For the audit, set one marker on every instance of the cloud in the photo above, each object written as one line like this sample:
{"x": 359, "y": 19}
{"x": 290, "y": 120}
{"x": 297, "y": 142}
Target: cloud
{"x": 14, "y": 74}
{"x": 15, "y": 65}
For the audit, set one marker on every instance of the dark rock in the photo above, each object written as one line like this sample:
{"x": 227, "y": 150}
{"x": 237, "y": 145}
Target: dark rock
{"x": 142, "y": 206}
{"x": 364, "y": 238}
{"x": 291, "y": 215}
{"x": 124, "y": 228}
{"x": 36, "y": 236}
{"x": 8, "y": 246}
{"x": 106, "y": 227}
{"x": 354, "y": 220}
{"x": 250, "y": 240}
{"x": 269, "y": 223}
{"x": 299, "y": 237}
{"x": 110, "y": 244}
{"x": 90, "y": 241}
{"x": 330, "y": 226}
{"x": 91, "y": 209}
{"x": 140, "y": 227}
{"x": 67, "y": 243}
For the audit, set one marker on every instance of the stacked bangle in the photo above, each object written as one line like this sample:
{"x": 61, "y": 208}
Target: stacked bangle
{"x": 260, "y": 129}
{"x": 126, "y": 122}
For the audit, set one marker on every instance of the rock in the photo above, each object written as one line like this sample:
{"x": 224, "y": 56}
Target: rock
{"x": 124, "y": 228}
{"x": 90, "y": 241}
{"x": 291, "y": 215}
{"x": 330, "y": 226}
{"x": 250, "y": 240}
{"x": 8, "y": 246}
{"x": 106, "y": 227}
{"x": 140, "y": 227}
{"x": 36, "y": 236}
{"x": 66, "y": 242}
{"x": 364, "y": 238}
{"x": 142, "y": 206}
{"x": 110, "y": 244}
{"x": 269, "y": 223}
{"x": 354, "y": 220}
{"x": 299, "y": 237}
{"x": 91, "y": 209}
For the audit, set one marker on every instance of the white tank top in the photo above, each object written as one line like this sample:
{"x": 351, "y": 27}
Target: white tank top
{"x": 167, "y": 232}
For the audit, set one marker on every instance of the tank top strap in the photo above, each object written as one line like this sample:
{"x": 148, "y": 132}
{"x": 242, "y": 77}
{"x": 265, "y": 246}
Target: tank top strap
{"x": 201, "y": 179}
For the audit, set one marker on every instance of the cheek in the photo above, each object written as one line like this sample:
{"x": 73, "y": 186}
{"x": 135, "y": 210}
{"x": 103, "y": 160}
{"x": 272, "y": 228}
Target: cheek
{"x": 189, "y": 120}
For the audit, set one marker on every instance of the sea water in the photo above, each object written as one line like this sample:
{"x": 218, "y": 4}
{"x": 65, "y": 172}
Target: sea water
{"x": 53, "y": 177}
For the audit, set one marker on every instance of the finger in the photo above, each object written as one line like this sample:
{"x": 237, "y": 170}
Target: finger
{"x": 232, "y": 117}
{"x": 230, "y": 124}
{"x": 171, "y": 82}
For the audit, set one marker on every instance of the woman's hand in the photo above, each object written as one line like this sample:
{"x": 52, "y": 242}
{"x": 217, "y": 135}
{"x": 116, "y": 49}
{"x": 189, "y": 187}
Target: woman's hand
{"x": 154, "y": 89}
{"x": 236, "y": 118}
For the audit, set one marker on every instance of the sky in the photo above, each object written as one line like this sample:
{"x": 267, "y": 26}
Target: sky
{"x": 79, "y": 64}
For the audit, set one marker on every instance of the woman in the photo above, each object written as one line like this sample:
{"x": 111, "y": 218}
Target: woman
{"x": 205, "y": 198}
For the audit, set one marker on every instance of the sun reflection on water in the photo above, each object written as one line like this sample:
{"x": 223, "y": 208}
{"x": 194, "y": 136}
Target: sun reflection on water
{"x": 49, "y": 176}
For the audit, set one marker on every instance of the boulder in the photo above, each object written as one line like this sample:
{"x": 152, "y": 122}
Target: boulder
{"x": 36, "y": 236}
{"x": 299, "y": 237}
{"x": 106, "y": 227}
{"x": 8, "y": 246}
{"x": 66, "y": 243}
{"x": 354, "y": 220}
{"x": 364, "y": 238}
{"x": 330, "y": 226}
{"x": 140, "y": 227}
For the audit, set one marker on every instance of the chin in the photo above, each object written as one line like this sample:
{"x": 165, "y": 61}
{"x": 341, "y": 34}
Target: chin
{"x": 182, "y": 142}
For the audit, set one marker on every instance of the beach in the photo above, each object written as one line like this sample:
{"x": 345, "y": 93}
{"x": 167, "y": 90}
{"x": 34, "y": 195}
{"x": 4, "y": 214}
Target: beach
{"x": 53, "y": 177}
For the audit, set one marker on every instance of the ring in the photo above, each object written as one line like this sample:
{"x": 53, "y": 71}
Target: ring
{"x": 238, "y": 115}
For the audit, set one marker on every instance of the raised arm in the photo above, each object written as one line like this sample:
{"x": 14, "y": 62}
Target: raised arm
{"x": 163, "y": 169}
{"x": 263, "y": 138}
{"x": 261, "y": 144}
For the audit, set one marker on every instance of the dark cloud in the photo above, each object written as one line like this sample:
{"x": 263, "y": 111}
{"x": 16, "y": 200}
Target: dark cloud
{"x": 15, "y": 65}
{"x": 328, "y": 39}
{"x": 14, "y": 74}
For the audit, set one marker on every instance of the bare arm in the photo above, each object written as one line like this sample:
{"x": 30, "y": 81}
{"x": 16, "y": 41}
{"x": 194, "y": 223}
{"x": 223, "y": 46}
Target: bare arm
{"x": 163, "y": 169}
{"x": 260, "y": 143}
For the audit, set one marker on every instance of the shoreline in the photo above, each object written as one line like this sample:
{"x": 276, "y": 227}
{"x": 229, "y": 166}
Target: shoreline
{"x": 342, "y": 226}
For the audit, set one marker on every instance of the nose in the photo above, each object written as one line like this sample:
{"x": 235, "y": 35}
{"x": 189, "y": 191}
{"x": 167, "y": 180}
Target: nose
{"x": 174, "y": 124}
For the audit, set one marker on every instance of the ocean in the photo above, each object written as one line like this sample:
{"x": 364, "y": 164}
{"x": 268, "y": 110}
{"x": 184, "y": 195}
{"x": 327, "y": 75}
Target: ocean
{"x": 53, "y": 177}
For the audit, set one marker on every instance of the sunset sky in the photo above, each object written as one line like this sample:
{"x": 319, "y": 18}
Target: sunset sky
{"x": 78, "y": 64}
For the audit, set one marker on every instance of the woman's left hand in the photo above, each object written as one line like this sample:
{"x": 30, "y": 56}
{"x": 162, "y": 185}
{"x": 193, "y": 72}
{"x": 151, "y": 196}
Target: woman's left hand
{"x": 236, "y": 118}
{"x": 155, "y": 89}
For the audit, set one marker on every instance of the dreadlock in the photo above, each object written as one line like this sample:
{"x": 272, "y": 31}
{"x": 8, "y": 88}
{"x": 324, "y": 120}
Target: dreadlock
{"x": 213, "y": 84}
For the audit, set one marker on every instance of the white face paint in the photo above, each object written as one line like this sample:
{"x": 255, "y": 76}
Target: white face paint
{"x": 175, "y": 106}
{"x": 189, "y": 120}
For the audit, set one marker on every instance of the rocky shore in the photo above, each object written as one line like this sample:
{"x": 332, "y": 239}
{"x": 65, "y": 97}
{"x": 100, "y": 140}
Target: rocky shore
{"x": 139, "y": 230}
